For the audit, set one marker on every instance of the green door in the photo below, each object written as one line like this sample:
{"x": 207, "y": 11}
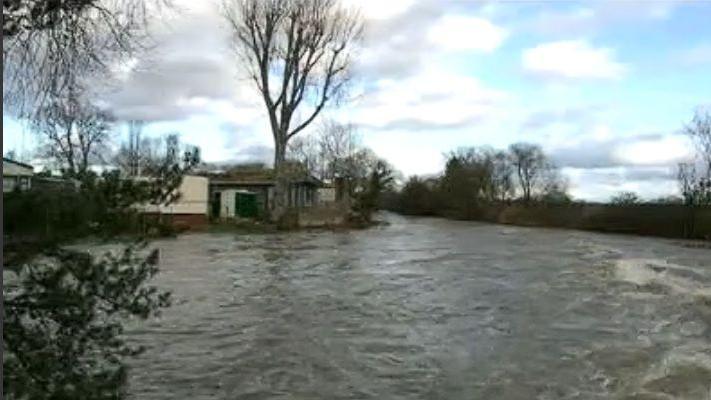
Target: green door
{"x": 246, "y": 204}
{"x": 215, "y": 205}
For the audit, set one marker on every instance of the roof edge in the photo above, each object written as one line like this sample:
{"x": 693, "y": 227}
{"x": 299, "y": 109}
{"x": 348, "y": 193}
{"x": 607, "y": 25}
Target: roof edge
{"x": 5, "y": 159}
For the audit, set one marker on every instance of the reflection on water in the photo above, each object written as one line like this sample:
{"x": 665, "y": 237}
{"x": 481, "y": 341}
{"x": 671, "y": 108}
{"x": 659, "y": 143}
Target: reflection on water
{"x": 432, "y": 309}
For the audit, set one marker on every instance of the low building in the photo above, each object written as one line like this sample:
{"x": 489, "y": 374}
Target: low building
{"x": 250, "y": 193}
{"x": 191, "y": 208}
{"x": 16, "y": 175}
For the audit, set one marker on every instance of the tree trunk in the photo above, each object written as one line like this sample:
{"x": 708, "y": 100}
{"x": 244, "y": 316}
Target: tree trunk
{"x": 281, "y": 181}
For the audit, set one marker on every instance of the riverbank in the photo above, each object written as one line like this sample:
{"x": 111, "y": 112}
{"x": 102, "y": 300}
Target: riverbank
{"x": 671, "y": 221}
{"x": 251, "y": 227}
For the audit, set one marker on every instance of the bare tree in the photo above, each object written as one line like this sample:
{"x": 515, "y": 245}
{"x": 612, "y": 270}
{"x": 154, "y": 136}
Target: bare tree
{"x": 327, "y": 152}
{"x": 129, "y": 157}
{"x": 699, "y": 130}
{"x": 695, "y": 191}
{"x": 695, "y": 186}
{"x": 625, "y": 199}
{"x": 296, "y": 52}
{"x": 174, "y": 159}
{"x": 306, "y": 151}
{"x": 144, "y": 156}
{"x": 11, "y": 154}
{"x": 338, "y": 145}
{"x": 74, "y": 132}
{"x": 552, "y": 186}
{"x": 695, "y": 177}
{"x": 529, "y": 162}
{"x": 686, "y": 177}
{"x": 501, "y": 176}
{"x": 50, "y": 47}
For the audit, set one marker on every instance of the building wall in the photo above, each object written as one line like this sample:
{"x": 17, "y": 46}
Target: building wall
{"x": 227, "y": 203}
{"x": 298, "y": 195}
{"x": 15, "y": 177}
{"x": 12, "y": 169}
{"x": 193, "y": 198}
{"x": 227, "y": 197}
{"x": 12, "y": 183}
{"x": 302, "y": 195}
{"x": 182, "y": 221}
{"x": 189, "y": 221}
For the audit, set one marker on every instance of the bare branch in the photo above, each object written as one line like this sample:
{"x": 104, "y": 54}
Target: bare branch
{"x": 300, "y": 45}
{"x": 73, "y": 131}
{"x": 50, "y": 46}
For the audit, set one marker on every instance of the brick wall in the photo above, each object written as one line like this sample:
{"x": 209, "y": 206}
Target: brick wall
{"x": 184, "y": 221}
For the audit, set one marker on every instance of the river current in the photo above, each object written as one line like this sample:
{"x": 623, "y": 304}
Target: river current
{"x": 427, "y": 308}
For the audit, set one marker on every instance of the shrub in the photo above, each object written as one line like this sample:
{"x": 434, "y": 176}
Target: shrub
{"x": 62, "y": 322}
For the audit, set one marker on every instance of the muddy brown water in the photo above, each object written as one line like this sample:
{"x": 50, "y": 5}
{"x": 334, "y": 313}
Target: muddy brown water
{"x": 428, "y": 309}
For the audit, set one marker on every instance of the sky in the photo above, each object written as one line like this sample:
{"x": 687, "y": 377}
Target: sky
{"x": 604, "y": 86}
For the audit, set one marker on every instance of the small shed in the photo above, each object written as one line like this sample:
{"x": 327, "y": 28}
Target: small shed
{"x": 236, "y": 203}
{"x": 257, "y": 187}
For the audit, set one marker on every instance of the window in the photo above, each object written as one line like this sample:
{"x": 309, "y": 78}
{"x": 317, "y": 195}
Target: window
{"x": 8, "y": 183}
{"x": 24, "y": 183}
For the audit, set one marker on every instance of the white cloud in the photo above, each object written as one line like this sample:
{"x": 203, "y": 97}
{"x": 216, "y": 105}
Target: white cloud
{"x": 379, "y": 9}
{"x": 577, "y": 20}
{"x": 594, "y": 16}
{"x": 459, "y": 33}
{"x": 600, "y": 184}
{"x": 411, "y": 153}
{"x": 572, "y": 59}
{"x": 664, "y": 150}
{"x": 431, "y": 99}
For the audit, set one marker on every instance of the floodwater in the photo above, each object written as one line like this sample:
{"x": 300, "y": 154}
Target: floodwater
{"x": 428, "y": 309}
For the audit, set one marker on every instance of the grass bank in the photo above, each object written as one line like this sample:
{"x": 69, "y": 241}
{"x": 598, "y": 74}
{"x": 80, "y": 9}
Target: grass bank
{"x": 672, "y": 221}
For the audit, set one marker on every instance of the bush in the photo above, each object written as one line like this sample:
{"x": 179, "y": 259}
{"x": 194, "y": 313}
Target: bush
{"x": 625, "y": 199}
{"x": 47, "y": 215}
{"x": 102, "y": 206}
{"x": 417, "y": 197}
{"x": 63, "y": 309}
{"x": 289, "y": 221}
{"x": 62, "y": 317}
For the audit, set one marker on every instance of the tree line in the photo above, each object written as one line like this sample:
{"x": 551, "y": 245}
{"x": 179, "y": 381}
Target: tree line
{"x": 476, "y": 176}
{"x": 480, "y": 183}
